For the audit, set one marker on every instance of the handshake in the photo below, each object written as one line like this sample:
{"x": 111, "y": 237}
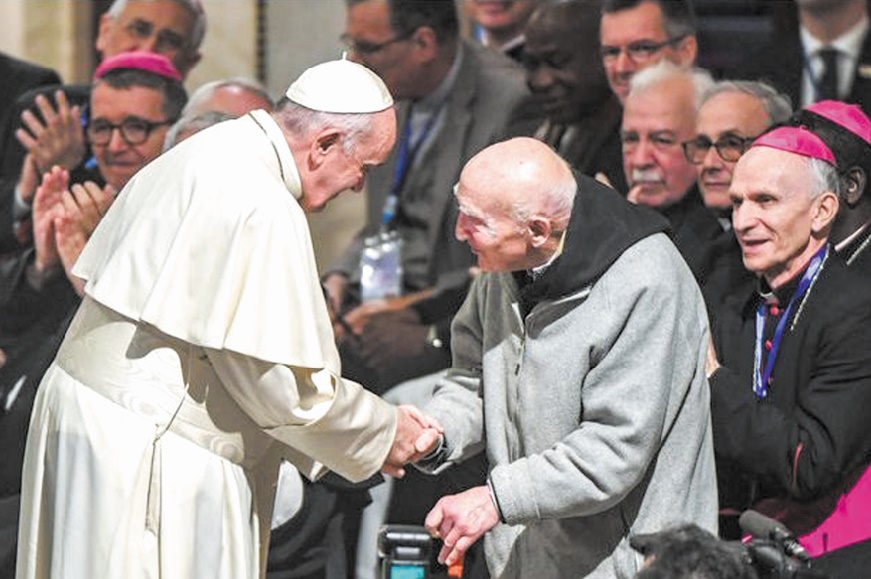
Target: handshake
{"x": 416, "y": 436}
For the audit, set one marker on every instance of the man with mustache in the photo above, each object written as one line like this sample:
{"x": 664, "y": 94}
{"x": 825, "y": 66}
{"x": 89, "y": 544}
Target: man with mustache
{"x": 660, "y": 114}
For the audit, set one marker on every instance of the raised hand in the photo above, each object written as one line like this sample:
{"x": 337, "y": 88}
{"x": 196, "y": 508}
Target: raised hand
{"x": 460, "y": 520}
{"x": 57, "y": 139}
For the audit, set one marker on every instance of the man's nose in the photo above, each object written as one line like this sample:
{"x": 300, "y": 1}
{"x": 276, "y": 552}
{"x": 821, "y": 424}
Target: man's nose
{"x": 116, "y": 141}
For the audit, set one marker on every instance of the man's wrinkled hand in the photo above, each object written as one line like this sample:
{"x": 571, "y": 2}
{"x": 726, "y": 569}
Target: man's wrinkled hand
{"x": 460, "y": 520}
{"x": 417, "y": 434}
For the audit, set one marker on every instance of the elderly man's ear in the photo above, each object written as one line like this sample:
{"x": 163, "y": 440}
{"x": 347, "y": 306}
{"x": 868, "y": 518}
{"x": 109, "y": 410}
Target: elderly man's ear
{"x": 825, "y": 211}
{"x": 321, "y": 145}
{"x": 855, "y": 181}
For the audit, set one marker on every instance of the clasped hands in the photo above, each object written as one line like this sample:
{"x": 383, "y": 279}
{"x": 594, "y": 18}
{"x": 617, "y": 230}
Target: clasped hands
{"x": 459, "y": 520}
{"x": 417, "y": 435}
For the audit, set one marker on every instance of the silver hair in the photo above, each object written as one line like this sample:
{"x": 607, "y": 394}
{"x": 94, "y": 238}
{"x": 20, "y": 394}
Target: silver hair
{"x": 205, "y": 92}
{"x": 302, "y": 121}
{"x": 193, "y": 124}
{"x": 777, "y": 105}
{"x": 194, "y": 6}
{"x": 823, "y": 177}
{"x": 665, "y": 70}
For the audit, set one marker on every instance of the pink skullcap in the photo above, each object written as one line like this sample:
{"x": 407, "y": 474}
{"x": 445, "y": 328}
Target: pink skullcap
{"x": 139, "y": 60}
{"x": 850, "y": 117}
{"x": 798, "y": 140}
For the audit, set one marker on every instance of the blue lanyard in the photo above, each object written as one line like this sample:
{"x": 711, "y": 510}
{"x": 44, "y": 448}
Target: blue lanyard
{"x": 405, "y": 159}
{"x": 761, "y": 376}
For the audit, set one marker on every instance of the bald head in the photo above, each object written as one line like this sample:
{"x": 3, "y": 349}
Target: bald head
{"x": 515, "y": 200}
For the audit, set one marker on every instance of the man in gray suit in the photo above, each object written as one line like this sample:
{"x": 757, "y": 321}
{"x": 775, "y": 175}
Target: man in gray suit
{"x": 455, "y": 98}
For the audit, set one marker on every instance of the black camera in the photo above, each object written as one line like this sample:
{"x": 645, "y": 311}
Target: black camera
{"x": 404, "y": 551}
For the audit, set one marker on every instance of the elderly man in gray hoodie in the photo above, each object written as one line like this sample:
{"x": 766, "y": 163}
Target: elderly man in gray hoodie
{"x": 578, "y": 368}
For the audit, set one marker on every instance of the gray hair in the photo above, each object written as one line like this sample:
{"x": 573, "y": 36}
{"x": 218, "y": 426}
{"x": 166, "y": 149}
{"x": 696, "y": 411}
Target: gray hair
{"x": 665, "y": 70}
{"x": 777, "y": 105}
{"x": 823, "y": 177}
{"x": 205, "y": 92}
{"x": 195, "y": 7}
{"x": 302, "y": 120}
{"x": 193, "y": 124}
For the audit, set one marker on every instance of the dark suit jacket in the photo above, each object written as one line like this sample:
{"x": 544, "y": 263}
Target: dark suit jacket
{"x": 594, "y": 145}
{"x": 19, "y": 77}
{"x": 693, "y": 230}
{"x": 782, "y": 63}
{"x": 797, "y": 448}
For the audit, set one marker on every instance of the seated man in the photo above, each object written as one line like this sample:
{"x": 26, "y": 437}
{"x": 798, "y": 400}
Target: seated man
{"x": 578, "y": 369}
{"x": 565, "y": 75}
{"x": 135, "y": 97}
{"x": 660, "y": 114}
{"x": 40, "y": 133}
{"x": 731, "y": 115}
{"x": 847, "y": 132}
{"x": 790, "y": 371}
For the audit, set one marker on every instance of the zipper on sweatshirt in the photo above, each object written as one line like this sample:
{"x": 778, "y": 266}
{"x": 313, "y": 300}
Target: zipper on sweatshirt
{"x": 515, "y": 307}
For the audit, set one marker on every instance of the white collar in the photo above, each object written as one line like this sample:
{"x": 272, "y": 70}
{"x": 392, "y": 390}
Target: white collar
{"x": 286, "y": 164}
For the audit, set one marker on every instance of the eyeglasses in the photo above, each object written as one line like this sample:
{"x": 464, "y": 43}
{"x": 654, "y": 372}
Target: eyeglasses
{"x": 134, "y": 130}
{"x": 639, "y": 51}
{"x": 364, "y": 48}
{"x": 729, "y": 147}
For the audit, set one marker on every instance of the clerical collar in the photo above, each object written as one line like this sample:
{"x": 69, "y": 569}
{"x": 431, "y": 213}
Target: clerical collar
{"x": 855, "y": 244}
{"x": 784, "y": 293}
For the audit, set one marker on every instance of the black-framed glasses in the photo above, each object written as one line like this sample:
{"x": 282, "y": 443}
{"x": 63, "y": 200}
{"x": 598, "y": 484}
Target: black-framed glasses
{"x": 729, "y": 147}
{"x": 365, "y": 48}
{"x": 134, "y": 130}
{"x": 639, "y": 51}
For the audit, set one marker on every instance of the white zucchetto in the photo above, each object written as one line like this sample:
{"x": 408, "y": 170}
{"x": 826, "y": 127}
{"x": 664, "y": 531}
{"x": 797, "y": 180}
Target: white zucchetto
{"x": 340, "y": 86}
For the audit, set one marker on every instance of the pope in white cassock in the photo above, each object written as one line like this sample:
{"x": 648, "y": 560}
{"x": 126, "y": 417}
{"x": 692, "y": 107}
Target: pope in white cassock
{"x": 203, "y": 353}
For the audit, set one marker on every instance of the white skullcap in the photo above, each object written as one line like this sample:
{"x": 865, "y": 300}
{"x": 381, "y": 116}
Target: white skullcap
{"x": 340, "y": 86}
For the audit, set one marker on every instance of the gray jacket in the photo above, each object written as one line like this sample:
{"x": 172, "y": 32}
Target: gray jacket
{"x": 594, "y": 412}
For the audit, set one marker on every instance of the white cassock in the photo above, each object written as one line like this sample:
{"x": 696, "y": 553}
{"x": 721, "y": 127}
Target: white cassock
{"x": 201, "y": 356}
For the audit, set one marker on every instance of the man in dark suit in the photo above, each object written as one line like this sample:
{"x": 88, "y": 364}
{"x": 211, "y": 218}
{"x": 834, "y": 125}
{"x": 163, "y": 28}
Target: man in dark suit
{"x": 825, "y": 55}
{"x": 660, "y": 114}
{"x": 566, "y": 77}
{"x": 790, "y": 367}
{"x": 45, "y": 126}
